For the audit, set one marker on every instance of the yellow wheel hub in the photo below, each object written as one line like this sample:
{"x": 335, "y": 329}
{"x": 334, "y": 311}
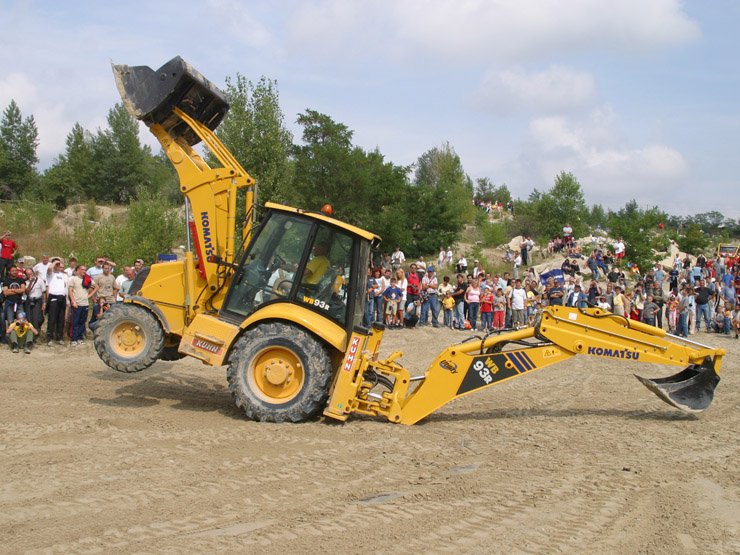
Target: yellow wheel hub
{"x": 127, "y": 339}
{"x": 276, "y": 374}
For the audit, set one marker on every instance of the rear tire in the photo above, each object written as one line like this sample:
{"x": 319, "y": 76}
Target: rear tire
{"x": 128, "y": 338}
{"x": 279, "y": 373}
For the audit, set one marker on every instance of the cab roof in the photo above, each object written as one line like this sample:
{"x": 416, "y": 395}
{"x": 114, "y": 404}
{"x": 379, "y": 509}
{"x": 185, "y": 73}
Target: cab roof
{"x": 324, "y": 218}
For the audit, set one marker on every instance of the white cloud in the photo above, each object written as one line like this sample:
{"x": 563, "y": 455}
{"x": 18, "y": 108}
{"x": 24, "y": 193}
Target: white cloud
{"x": 475, "y": 31}
{"x": 557, "y": 89}
{"x": 18, "y": 87}
{"x": 242, "y": 21}
{"x": 610, "y": 171}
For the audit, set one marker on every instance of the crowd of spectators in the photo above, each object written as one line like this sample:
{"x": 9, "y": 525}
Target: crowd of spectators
{"x": 459, "y": 297}
{"x": 56, "y": 300}
{"x": 61, "y": 302}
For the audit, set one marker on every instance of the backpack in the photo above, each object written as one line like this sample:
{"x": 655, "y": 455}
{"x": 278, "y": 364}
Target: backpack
{"x": 86, "y": 281}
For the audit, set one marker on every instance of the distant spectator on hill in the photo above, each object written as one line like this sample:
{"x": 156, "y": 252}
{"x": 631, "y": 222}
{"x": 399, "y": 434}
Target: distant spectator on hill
{"x": 462, "y": 264}
{"x": 619, "y": 250}
{"x": 138, "y": 265}
{"x": 8, "y": 248}
{"x": 567, "y": 235}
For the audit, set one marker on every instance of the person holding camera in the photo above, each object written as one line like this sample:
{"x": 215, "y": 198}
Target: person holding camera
{"x": 21, "y": 333}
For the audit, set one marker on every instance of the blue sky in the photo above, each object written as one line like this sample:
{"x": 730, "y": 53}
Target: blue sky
{"x": 638, "y": 98}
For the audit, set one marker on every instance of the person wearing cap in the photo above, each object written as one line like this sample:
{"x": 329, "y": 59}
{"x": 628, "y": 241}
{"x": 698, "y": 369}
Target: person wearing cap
{"x": 8, "y": 248}
{"x": 55, "y": 303}
{"x": 21, "y": 333}
{"x": 429, "y": 286}
{"x": 602, "y": 304}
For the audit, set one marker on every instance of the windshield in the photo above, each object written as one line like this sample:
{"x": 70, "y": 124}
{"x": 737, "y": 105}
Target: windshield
{"x": 269, "y": 266}
{"x": 298, "y": 259}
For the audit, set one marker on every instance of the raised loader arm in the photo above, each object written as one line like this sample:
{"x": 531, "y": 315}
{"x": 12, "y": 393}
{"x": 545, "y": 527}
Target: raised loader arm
{"x": 473, "y": 365}
{"x": 182, "y": 108}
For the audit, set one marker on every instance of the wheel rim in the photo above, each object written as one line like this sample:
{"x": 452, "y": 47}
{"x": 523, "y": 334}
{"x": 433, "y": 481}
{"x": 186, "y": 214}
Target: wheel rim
{"x": 276, "y": 374}
{"x": 127, "y": 339}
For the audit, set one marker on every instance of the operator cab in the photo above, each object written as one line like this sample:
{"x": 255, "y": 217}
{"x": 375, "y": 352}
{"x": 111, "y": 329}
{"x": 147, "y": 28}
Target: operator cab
{"x": 305, "y": 259}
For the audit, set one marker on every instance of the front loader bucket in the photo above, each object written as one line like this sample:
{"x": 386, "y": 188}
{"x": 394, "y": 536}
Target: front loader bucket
{"x": 151, "y": 96}
{"x": 691, "y": 390}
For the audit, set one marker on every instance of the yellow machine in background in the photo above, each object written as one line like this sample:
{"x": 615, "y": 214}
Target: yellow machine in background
{"x": 281, "y": 301}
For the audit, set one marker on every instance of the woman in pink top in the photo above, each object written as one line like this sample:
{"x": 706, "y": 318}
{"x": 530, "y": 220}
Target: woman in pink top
{"x": 472, "y": 297}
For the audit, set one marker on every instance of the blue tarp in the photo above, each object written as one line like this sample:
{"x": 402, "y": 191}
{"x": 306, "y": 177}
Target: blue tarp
{"x": 556, "y": 274}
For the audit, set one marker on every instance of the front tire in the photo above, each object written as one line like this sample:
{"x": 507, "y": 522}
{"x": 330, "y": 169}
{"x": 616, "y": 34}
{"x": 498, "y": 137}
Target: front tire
{"x": 279, "y": 373}
{"x": 128, "y": 338}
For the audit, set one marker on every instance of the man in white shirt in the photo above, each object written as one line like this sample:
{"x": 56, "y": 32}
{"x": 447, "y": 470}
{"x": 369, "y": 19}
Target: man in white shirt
{"x": 96, "y": 270}
{"x": 128, "y": 274}
{"x": 518, "y": 298}
{"x": 619, "y": 249}
{"x": 42, "y": 270}
{"x": 55, "y": 303}
{"x": 70, "y": 271}
{"x": 35, "y": 288}
{"x": 397, "y": 259}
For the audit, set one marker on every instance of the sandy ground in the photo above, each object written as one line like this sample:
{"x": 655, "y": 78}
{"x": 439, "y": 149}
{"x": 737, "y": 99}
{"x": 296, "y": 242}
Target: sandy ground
{"x": 577, "y": 458}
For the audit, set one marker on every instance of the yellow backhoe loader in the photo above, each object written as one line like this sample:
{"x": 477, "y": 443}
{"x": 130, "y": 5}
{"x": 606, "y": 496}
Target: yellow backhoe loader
{"x": 281, "y": 301}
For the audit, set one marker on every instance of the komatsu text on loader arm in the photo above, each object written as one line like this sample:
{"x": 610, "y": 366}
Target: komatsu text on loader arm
{"x": 280, "y": 301}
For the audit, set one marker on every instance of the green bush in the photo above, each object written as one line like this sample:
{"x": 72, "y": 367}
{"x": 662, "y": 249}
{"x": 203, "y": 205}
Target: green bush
{"x": 494, "y": 234}
{"x": 150, "y": 226}
{"x": 25, "y": 217}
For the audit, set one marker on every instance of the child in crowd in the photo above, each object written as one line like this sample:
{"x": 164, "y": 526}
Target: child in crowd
{"x": 486, "y": 309}
{"x": 448, "y": 304}
{"x": 392, "y": 295}
{"x": 499, "y": 309}
{"x": 672, "y": 308}
{"x": 721, "y": 321}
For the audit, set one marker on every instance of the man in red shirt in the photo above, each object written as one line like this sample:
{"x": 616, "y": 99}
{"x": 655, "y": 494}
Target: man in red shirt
{"x": 8, "y": 247}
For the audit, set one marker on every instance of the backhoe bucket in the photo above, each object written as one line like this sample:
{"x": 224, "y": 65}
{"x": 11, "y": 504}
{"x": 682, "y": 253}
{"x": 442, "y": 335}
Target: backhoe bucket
{"x": 691, "y": 390}
{"x": 151, "y": 96}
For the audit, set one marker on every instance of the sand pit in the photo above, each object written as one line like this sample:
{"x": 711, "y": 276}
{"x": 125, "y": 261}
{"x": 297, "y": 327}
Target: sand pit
{"x": 578, "y": 458}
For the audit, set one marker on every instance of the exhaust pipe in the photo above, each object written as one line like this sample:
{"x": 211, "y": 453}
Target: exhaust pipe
{"x": 691, "y": 390}
{"x": 151, "y": 96}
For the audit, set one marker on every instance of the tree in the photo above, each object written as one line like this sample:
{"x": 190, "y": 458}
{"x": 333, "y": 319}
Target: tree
{"x": 641, "y": 233}
{"x": 255, "y": 132}
{"x": 18, "y": 159}
{"x": 363, "y": 188}
{"x": 694, "y": 240}
{"x": 440, "y": 199}
{"x": 71, "y": 177}
{"x": 486, "y": 191}
{"x": 547, "y": 212}
{"x": 120, "y": 161}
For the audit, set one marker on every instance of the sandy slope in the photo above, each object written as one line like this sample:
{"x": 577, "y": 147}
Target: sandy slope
{"x": 579, "y": 458}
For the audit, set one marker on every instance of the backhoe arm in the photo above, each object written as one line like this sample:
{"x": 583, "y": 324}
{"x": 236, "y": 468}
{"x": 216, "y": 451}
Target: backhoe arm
{"x": 480, "y": 363}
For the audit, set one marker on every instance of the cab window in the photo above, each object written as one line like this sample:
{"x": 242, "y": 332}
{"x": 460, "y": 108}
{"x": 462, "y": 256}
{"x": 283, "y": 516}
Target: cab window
{"x": 325, "y": 278}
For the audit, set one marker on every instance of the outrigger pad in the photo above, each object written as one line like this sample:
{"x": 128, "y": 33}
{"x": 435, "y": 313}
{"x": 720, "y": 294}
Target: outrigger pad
{"x": 150, "y": 96}
{"x": 691, "y": 390}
